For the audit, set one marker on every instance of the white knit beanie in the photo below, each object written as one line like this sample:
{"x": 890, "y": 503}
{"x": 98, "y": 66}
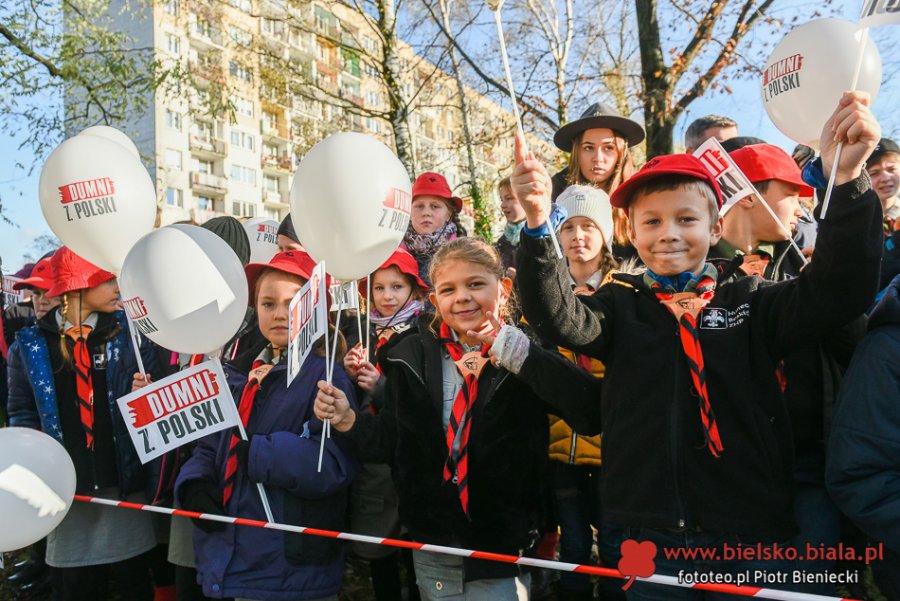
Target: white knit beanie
{"x": 591, "y": 202}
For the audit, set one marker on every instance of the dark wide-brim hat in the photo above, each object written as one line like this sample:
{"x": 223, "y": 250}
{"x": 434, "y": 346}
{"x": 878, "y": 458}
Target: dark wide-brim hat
{"x": 599, "y": 115}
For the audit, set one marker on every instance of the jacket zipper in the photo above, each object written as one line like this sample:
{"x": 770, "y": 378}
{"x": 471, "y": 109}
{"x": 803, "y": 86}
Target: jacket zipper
{"x": 680, "y": 520}
{"x": 572, "y": 448}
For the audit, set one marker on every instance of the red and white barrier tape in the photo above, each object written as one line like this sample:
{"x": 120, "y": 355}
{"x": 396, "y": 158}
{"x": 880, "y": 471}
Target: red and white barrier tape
{"x": 745, "y": 591}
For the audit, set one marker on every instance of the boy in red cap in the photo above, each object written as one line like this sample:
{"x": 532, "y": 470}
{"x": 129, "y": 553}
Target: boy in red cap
{"x": 39, "y": 282}
{"x": 433, "y": 221}
{"x": 749, "y": 229}
{"x": 696, "y": 436}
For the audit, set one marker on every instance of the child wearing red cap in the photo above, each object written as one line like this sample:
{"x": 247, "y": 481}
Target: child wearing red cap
{"x": 282, "y": 452}
{"x": 433, "y": 221}
{"x": 394, "y": 307}
{"x": 697, "y": 443}
{"x": 66, "y": 373}
{"x": 39, "y": 282}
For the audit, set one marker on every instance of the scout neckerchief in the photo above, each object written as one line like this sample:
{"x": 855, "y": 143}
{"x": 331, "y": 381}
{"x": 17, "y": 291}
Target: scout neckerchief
{"x": 695, "y": 293}
{"x": 469, "y": 365}
{"x": 259, "y": 371}
{"x": 83, "y": 380}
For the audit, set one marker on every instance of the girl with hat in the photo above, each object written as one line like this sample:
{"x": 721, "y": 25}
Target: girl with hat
{"x": 434, "y": 219}
{"x": 394, "y": 308}
{"x": 599, "y": 143}
{"x": 39, "y": 282}
{"x": 65, "y": 376}
{"x": 281, "y": 453}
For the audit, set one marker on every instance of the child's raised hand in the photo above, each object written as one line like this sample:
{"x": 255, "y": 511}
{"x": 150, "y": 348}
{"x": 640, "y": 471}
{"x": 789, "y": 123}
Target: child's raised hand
{"x": 368, "y": 376}
{"x": 139, "y": 381}
{"x": 509, "y": 345}
{"x": 332, "y": 403}
{"x": 531, "y": 185}
{"x": 853, "y": 125}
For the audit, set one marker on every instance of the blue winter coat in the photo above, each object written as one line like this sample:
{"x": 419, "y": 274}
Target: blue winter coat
{"x": 263, "y": 564}
{"x": 33, "y": 402}
{"x": 863, "y": 466}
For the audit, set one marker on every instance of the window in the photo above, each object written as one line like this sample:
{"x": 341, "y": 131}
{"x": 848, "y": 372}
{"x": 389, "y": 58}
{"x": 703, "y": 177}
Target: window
{"x": 244, "y": 175}
{"x": 373, "y": 124}
{"x": 202, "y": 166}
{"x": 371, "y": 71}
{"x": 202, "y": 131}
{"x": 242, "y": 37}
{"x": 243, "y": 140}
{"x": 173, "y": 44}
{"x": 172, "y": 158}
{"x": 242, "y": 105}
{"x": 243, "y": 209}
{"x": 171, "y": 7}
{"x": 242, "y": 72}
{"x": 173, "y": 119}
{"x": 205, "y": 203}
{"x": 244, "y": 5}
{"x": 272, "y": 214}
{"x": 370, "y": 44}
{"x": 271, "y": 183}
{"x": 270, "y": 121}
{"x": 174, "y": 197}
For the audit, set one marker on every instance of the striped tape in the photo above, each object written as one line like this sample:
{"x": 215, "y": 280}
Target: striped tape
{"x": 745, "y": 591}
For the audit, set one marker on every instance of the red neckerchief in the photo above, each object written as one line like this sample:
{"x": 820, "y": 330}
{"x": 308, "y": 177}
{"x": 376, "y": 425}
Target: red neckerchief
{"x": 84, "y": 381}
{"x": 469, "y": 365}
{"x": 245, "y": 406}
{"x": 685, "y": 306}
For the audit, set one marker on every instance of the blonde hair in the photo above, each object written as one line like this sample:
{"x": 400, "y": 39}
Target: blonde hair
{"x": 469, "y": 250}
{"x": 623, "y": 169}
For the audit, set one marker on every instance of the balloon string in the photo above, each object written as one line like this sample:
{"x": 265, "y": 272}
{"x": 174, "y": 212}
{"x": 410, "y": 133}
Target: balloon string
{"x": 863, "y": 38}
{"x": 329, "y": 375}
{"x": 368, "y": 311}
{"x": 516, "y": 113}
{"x": 259, "y": 486}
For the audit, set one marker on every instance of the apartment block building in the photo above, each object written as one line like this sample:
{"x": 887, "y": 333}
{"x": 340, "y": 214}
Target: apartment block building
{"x": 290, "y": 72}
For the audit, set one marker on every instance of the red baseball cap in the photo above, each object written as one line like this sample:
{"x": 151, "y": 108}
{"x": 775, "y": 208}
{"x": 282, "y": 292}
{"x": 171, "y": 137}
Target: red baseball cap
{"x": 761, "y": 162}
{"x": 294, "y": 262}
{"x": 41, "y": 277}
{"x": 667, "y": 164}
{"x": 71, "y": 272}
{"x": 435, "y": 184}
{"x": 406, "y": 263}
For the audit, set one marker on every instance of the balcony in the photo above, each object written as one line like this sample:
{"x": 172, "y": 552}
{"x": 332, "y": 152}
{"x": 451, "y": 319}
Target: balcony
{"x": 273, "y": 197}
{"x": 206, "y": 38}
{"x": 208, "y": 146}
{"x": 276, "y": 163}
{"x": 207, "y": 70}
{"x": 277, "y": 129}
{"x": 209, "y": 183}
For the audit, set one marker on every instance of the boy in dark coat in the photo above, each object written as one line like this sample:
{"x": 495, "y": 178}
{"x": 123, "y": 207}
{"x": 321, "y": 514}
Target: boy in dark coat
{"x": 696, "y": 436}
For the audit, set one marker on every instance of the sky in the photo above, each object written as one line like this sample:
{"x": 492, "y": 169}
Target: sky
{"x": 18, "y": 190}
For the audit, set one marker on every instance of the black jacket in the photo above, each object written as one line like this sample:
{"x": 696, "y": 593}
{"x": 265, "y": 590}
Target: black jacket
{"x": 811, "y": 374}
{"x": 658, "y": 472}
{"x": 864, "y": 449}
{"x": 507, "y": 447}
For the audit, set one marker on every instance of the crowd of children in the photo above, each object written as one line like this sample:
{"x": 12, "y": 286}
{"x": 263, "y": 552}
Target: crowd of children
{"x": 672, "y": 380}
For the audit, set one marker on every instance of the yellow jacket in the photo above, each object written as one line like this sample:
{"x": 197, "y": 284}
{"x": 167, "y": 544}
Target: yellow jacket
{"x": 566, "y": 445}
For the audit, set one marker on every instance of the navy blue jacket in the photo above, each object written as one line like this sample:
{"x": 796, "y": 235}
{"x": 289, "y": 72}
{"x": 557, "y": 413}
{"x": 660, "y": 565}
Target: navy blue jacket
{"x": 33, "y": 395}
{"x": 284, "y": 450}
{"x": 863, "y": 468}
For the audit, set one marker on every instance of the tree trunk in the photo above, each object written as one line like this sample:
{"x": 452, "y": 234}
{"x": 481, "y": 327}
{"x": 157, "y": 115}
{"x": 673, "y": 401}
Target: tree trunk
{"x": 482, "y": 214}
{"x": 398, "y": 114}
{"x": 655, "y": 78}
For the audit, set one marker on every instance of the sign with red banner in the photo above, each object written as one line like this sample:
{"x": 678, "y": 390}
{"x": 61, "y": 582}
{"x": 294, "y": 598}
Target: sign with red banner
{"x": 186, "y": 406}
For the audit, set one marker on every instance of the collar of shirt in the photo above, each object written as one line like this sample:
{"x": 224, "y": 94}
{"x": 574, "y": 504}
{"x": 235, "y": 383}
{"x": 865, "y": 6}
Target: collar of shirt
{"x": 90, "y": 321}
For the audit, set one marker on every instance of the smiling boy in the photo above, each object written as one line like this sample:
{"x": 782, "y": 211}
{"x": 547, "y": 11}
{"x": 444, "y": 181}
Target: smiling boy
{"x": 696, "y": 437}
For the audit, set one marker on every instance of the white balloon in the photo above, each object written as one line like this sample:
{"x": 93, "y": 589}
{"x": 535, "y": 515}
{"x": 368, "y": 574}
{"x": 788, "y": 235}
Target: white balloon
{"x": 350, "y": 199}
{"x": 37, "y": 485}
{"x": 97, "y": 199}
{"x": 809, "y": 70}
{"x": 263, "y": 236}
{"x": 185, "y": 289}
{"x": 111, "y": 133}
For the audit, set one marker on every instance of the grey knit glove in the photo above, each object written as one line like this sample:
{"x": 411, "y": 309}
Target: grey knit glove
{"x": 510, "y": 348}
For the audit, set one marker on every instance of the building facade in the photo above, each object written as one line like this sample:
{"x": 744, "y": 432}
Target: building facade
{"x": 264, "y": 80}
